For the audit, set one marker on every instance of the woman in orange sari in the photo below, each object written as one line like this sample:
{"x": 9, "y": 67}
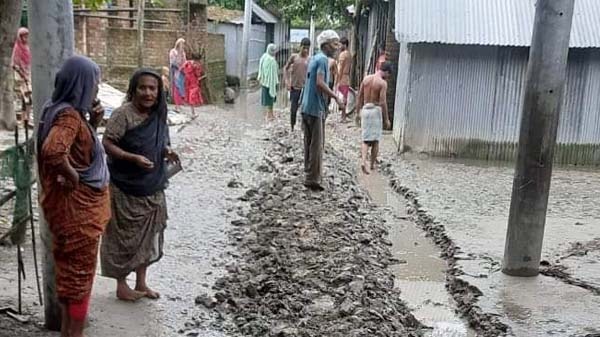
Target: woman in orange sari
{"x": 74, "y": 178}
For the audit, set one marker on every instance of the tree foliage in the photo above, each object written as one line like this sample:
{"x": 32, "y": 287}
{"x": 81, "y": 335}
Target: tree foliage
{"x": 229, "y": 4}
{"x": 330, "y": 13}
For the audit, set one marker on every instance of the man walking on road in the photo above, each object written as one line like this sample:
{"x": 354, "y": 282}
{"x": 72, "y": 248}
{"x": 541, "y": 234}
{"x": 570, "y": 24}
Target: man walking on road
{"x": 343, "y": 73}
{"x": 314, "y": 107}
{"x": 372, "y": 104}
{"x": 295, "y": 74}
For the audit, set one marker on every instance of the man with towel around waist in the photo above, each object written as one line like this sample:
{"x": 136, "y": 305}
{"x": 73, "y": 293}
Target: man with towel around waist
{"x": 372, "y": 104}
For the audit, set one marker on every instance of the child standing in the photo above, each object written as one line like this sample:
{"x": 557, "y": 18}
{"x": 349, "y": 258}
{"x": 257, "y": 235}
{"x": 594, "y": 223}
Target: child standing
{"x": 193, "y": 71}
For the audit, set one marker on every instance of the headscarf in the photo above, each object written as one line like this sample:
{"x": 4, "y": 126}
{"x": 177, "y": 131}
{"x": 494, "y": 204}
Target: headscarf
{"x": 177, "y": 55}
{"x": 160, "y": 108}
{"x": 327, "y": 36}
{"x": 74, "y": 88}
{"x": 268, "y": 70}
{"x": 21, "y": 55}
{"x": 148, "y": 139}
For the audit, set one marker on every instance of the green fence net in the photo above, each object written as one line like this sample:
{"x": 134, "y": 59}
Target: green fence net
{"x": 16, "y": 165}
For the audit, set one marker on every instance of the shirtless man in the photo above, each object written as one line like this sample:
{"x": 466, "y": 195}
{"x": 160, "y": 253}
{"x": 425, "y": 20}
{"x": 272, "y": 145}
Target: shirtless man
{"x": 372, "y": 104}
{"x": 295, "y": 74}
{"x": 332, "y": 76}
{"x": 343, "y": 73}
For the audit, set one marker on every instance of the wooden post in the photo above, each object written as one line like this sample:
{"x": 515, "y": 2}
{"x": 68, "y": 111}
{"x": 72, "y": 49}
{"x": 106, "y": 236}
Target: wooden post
{"x": 244, "y": 59}
{"x": 545, "y": 82}
{"x": 51, "y": 39}
{"x": 140, "y": 32}
{"x": 356, "y": 59}
{"x": 84, "y": 32}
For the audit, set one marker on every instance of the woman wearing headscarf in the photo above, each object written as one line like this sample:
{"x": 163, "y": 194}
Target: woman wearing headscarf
{"x": 269, "y": 79}
{"x": 137, "y": 143}
{"x": 193, "y": 72}
{"x": 21, "y": 63}
{"x": 177, "y": 58}
{"x": 74, "y": 178}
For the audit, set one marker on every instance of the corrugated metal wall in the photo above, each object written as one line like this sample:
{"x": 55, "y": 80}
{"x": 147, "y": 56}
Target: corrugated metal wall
{"x": 377, "y": 33}
{"x": 233, "y": 39}
{"x": 257, "y": 47}
{"x": 233, "y": 42}
{"x": 282, "y": 40}
{"x": 486, "y": 22}
{"x": 466, "y": 101}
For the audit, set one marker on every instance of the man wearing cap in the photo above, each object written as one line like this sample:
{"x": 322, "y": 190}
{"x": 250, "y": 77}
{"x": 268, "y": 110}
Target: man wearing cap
{"x": 295, "y": 75}
{"x": 314, "y": 107}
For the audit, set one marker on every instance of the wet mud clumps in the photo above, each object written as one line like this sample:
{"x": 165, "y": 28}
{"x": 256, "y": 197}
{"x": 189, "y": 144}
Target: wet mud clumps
{"x": 561, "y": 272}
{"x": 312, "y": 264}
{"x": 465, "y": 295}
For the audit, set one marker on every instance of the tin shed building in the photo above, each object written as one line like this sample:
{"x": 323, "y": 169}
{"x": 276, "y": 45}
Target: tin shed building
{"x": 461, "y": 76}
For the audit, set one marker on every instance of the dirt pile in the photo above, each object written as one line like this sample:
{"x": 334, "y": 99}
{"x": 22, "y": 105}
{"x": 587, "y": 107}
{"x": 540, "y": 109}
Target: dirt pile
{"x": 312, "y": 264}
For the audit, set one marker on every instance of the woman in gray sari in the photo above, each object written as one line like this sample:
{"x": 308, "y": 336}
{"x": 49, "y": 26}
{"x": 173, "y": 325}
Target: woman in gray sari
{"x": 137, "y": 143}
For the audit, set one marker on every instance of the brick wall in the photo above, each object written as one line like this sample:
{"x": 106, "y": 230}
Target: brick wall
{"x": 215, "y": 47}
{"x": 215, "y": 65}
{"x": 112, "y": 43}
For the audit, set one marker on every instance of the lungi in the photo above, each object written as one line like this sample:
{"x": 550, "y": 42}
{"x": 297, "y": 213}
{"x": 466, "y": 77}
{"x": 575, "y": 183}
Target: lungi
{"x": 371, "y": 123}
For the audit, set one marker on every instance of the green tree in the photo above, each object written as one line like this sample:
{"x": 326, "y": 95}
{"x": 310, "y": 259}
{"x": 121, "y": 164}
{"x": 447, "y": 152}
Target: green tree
{"x": 229, "y": 4}
{"x": 331, "y": 13}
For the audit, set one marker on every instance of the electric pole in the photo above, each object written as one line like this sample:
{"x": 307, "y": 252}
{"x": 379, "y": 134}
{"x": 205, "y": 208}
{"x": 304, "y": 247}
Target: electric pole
{"x": 544, "y": 87}
{"x": 245, "y": 44}
{"x": 51, "y": 39}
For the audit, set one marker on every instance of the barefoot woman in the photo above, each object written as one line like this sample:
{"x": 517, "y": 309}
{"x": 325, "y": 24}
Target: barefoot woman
{"x": 74, "y": 178}
{"x": 136, "y": 141}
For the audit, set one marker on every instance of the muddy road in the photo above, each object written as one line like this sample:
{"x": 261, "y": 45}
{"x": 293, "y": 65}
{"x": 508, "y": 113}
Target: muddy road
{"x": 220, "y": 151}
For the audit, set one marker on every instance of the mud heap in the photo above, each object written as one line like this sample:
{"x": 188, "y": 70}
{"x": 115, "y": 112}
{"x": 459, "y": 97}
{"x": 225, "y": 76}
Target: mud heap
{"x": 312, "y": 264}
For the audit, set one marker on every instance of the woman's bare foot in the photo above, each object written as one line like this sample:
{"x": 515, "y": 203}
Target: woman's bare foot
{"x": 149, "y": 293}
{"x": 125, "y": 293}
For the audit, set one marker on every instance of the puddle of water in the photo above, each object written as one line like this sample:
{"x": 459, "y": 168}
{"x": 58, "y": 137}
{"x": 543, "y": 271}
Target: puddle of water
{"x": 421, "y": 275}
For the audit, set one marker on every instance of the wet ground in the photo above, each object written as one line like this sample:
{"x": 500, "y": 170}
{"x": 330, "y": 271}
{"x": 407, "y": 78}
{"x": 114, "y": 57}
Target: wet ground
{"x": 471, "y": 201}
{"x": 223, "y": 151}
{"x": 422, "y": 275}
{"x": 219, "y": 152}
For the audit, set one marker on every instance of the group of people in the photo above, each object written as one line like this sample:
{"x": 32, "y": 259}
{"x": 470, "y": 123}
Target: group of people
{"x": 312, "y": 82}
{"x": 183, "y": 78}
{"x": 110, "y": 192}
{"x": 108, "y": 196}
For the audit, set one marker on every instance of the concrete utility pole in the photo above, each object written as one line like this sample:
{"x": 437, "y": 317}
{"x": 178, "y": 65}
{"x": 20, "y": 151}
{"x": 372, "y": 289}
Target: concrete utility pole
{"x": 140, "y": 32}
{"x": 244, "y": 60}
{"x": 10, "y": 15}
{"x": 545, "y": 82}
{"x": 51, "y": 39}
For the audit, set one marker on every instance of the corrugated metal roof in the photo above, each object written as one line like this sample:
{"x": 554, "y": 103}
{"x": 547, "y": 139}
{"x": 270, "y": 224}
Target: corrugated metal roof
{"x": 263, "y": 14}
{"x": 487, "y": 22}
{"x": 220, "y": 14}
